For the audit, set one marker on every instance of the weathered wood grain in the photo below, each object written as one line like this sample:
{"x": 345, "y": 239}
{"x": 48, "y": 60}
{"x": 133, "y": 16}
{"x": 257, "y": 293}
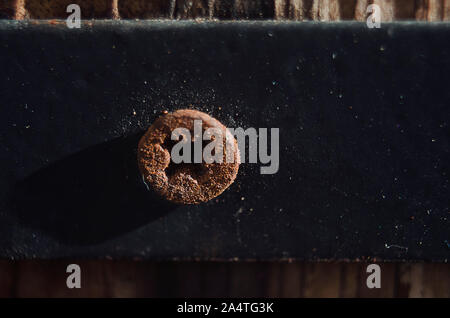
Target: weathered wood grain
{"x": 291, "y": 280}
{"x": 216, "y": 279}
{"x": 350, "y": 279}
{"x": 298, "y": 10}
{"x": 321, "y": 280}
{"x": 7, "y": 279}
{"x": 50, "y": 9}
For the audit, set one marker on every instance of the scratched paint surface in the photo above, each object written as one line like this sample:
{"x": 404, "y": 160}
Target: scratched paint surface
{"x": 364, "y": 139}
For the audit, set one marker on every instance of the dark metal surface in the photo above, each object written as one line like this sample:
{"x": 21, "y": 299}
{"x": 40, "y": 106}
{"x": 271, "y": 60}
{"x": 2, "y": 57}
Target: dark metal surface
{"x": 364, "y": 139}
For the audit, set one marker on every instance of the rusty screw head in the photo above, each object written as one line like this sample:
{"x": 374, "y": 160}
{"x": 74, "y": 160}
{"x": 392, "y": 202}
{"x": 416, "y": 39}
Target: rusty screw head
{"x": 185, "y": 183}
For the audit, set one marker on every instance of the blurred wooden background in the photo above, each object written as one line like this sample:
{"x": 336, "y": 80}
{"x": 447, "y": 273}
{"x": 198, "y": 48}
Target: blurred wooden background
{"x": 217, "y": 279}
{"x": 318, "y": 10}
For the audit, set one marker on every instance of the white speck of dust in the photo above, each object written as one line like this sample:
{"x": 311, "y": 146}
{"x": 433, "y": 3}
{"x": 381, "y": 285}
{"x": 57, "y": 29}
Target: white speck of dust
{"x": 238, "y": 220}
{"x": 396, "y": 246}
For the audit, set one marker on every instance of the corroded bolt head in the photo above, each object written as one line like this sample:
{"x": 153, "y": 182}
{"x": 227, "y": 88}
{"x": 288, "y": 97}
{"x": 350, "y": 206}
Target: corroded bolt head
{"x": 186, "y": 183}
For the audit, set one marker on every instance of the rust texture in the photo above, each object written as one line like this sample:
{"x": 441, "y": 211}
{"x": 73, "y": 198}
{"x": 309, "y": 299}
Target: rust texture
{"x": 297, "y": 10}
{"x": 185, "y": 183}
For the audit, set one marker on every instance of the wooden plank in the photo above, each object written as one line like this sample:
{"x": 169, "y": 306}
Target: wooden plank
{"x": 325, "y": 10}
{"x": 424, "y": 280}
{"x": 146, "y": 278}
{"x": 321, "y": 280}
{"x": 297, "y": 9}
{"x": 115, "y": 9}
{"x": 273, "y": 285}
{"x": 12, "y": 9}
{"x": 411, "y": 281}
{"x": 192, "y": 9}
{"x": 7, "y": 279}
{"x": 122, "y": 279}
{"x": 350, "y": 279}
{"x": 51, "y": 9}
{"x": 361, "y": 10}
{"x": 40, "y": 279}
{"x": 256, "y": 9}
{"x": 143, "y": 9}
{"x": 347, "y": 9}
{"x": 387, "y": 9}
{"x": 281, "y": 9}
{"x": 446, "y": 13}
{"x": 247, "y": 279}
{"x": 196, "y": 279}
{"x": 215, "y": 279}
{"x": 188, "y": 279}
{"x": 20, "y": 13}
{"x": 404, "y": 10}
{"x": 166, "y": 279}
{"x": 435, "y": 10}
{"x": 436, "y": 279}
{"x": 319, "y": 10}
{"x": 430, "y": 10}
{"x": 291, "y": 280}
{"x": 421, "y": 10}
{"x": 7, "y": 9}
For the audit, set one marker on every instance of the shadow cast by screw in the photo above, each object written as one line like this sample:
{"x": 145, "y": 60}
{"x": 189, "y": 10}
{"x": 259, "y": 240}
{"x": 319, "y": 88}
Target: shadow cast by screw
{"x": 89, "y": 197}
